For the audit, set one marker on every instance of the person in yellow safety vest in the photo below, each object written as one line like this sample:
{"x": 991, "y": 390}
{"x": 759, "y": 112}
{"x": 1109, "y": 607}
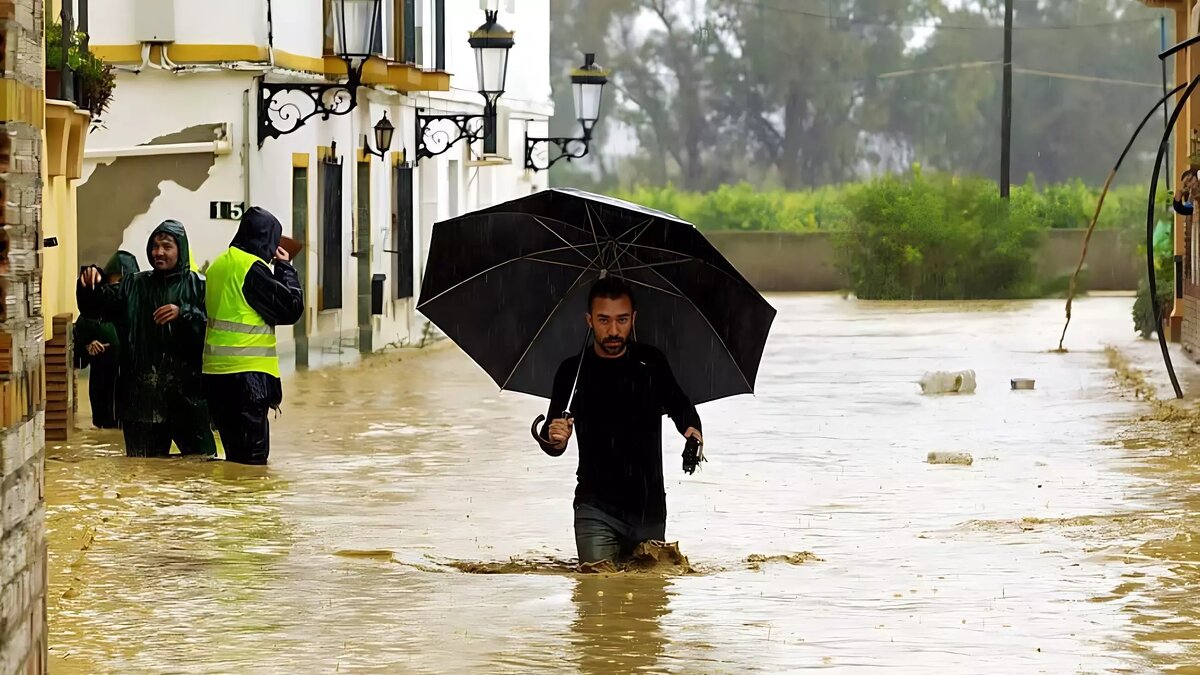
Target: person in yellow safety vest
{"x": 245, "y": 300}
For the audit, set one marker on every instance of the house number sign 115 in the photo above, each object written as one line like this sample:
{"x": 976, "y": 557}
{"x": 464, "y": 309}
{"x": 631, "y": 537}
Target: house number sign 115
{"x": 226, "y": 210}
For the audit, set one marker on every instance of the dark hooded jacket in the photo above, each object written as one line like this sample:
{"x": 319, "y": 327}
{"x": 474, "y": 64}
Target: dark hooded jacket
{"x": 94, "y": 327}
{"x": 274, "y": 294}
{"x": 160, "y": 365}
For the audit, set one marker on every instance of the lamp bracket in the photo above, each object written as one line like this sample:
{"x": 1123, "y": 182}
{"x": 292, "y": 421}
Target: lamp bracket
{"x": 284, "y": 107}
{"x": 437, "y": 133}
{"x": 538, "y": 156}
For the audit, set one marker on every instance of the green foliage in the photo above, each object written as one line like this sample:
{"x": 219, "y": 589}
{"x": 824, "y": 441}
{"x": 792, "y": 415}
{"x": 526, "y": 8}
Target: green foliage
{"x": 937, "y": 237}
{"x": 1164, "y": 281}
{"x": 744, "y": 207}
{"x": 920, "y": 235}
{"x": 94, "y": 79}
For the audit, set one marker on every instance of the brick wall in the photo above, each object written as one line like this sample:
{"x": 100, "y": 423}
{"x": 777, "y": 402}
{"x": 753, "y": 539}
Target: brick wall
{"x": 22, "y": 385}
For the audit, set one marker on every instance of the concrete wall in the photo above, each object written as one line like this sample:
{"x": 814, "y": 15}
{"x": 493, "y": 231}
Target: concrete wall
{"x": 804, "y": 262}
{"x": 23, "y": 646}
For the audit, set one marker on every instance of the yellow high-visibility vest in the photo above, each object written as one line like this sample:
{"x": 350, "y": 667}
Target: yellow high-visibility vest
{"x": 237, "y": 339}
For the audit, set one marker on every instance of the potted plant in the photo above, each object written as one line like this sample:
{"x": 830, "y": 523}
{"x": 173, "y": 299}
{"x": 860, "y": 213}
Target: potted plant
{"x": 94, "y": 79}
{"x": 94, "y": 83}
{"x": 56, "y": 61}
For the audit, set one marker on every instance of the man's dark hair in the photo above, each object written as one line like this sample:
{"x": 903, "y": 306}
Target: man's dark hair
{"x": 611, "y": 288}
{"x": 1189, "y": 172}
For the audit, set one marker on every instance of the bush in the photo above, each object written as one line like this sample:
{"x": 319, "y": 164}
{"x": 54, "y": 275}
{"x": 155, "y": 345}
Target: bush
{"x": 938, "y": 237}
{"x": 1164, "y": 280}
{"x": 920, "y": 236}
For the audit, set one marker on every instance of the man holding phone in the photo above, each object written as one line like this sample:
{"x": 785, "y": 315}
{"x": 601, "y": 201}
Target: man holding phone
{"x": 246, "y": 299}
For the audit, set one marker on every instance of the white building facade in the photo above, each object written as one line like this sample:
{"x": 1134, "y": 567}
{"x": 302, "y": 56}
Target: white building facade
{"x": 181, "y": 139}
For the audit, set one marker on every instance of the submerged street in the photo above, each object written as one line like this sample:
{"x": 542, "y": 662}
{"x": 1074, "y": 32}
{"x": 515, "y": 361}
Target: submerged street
{"x": 819, "y": 533}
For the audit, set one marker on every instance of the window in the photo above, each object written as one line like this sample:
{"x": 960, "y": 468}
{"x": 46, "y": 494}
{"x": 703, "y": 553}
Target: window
{"x": 410, "y": 22}
{"x": 330, "y": 269}
{"x": 361, "y": 232}
{"x": 410, "y": 32}
{"x": 300, "y": 219}
{"x": 439, "y": 34}
{"x": 402, "y": 233}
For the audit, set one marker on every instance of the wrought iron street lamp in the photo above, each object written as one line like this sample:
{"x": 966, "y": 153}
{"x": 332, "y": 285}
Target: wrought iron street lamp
{"x": 587, "y": 88}
{"x": 285, "y": 107}
{"x": 437, "y": 133}
{"x": 383, "y": 137}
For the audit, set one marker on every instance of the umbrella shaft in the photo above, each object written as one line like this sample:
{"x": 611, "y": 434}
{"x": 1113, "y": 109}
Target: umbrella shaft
{"x": 587, "y": 339}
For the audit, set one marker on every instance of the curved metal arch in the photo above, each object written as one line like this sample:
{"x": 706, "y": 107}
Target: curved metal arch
{"x": 1158, "y": 161}
{"x": 1112, "y": 174}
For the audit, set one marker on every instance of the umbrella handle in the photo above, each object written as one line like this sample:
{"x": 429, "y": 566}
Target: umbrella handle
{"x": 542, "y": 418}
{"x": 533, "y": 428}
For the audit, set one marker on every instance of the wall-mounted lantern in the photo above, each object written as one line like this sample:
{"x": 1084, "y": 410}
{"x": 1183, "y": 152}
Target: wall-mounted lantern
{"x": 587, "y": 85}
{"x": 383, "y": 137}
{"x": 285, "y": 107}
{"x": 491, "y": 43}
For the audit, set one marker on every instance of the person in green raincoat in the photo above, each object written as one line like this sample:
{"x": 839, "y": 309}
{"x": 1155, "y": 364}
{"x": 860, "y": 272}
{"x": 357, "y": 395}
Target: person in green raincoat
{"x": 160, "y": 319}
{"x": 97, "y": 346}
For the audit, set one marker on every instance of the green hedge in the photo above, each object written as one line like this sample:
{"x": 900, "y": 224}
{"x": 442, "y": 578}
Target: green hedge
{"x": 745, "y": 207}
{"x": 917, "y": 235}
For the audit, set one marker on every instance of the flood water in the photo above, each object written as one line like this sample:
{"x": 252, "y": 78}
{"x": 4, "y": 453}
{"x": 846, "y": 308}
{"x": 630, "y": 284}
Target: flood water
{"x": 1061, "y": 549}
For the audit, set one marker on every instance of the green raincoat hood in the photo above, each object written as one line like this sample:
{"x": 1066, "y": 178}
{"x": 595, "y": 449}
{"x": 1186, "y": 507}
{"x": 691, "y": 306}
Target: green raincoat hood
{"x": 175, "y": 229}
{"x": 123, "y": 263}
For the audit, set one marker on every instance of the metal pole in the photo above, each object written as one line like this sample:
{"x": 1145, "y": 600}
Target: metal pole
{"x": 1162, "y": 37}
{"x": 1006, "y": 113}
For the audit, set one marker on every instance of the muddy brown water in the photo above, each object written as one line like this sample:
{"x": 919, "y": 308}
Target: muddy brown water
{"x": 407, "y": 522}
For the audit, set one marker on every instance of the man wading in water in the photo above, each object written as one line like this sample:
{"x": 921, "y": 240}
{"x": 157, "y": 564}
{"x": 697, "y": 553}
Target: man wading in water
{"x": 623, "y": 390}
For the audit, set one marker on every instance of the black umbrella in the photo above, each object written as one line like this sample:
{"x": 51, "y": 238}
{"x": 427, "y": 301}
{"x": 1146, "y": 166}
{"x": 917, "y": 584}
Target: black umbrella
{"x": 508, "y": 284}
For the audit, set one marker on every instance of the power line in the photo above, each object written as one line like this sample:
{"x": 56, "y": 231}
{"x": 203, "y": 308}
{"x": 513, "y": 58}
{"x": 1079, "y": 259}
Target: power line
{"x": 758, "y": 4}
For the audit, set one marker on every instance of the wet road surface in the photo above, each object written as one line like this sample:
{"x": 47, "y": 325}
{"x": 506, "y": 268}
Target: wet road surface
{"x": 820, "y": 535}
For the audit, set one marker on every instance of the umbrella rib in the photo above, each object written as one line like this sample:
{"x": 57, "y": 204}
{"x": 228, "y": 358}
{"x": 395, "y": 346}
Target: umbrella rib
{"x": 644, "y": 266}
{"x": 652, "y": 286}
{"x": 695, "y": 259}
{"x": 538, "y": 219}
{"x": 714, "y": 330}
{"x": 547, "y": 322}
{"x": 560, "y": 264}
{"x": 530, "y": 215}
{"x": 527, "y": 256}
{"x": 591, "y": 224}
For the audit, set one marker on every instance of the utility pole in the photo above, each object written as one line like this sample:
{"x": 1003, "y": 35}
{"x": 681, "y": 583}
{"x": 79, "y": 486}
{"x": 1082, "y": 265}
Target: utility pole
{"x": 1006, "y": 113}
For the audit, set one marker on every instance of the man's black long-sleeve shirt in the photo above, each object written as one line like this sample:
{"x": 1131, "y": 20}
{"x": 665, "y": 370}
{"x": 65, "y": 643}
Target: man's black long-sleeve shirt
{"x": 275, "y": 295}
{"x": 618, "y": 408}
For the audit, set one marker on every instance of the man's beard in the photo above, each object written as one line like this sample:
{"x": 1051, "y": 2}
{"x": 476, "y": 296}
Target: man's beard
{"x": 612, "y": 346}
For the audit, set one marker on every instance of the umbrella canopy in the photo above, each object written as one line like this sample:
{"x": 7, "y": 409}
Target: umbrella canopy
{"x": 509, "y": 285}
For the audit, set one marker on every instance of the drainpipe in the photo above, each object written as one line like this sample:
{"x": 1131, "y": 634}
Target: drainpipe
{"x": 270, "y": 35}
{"x": 82, "y": 21}
{"x": 247, "y": 130}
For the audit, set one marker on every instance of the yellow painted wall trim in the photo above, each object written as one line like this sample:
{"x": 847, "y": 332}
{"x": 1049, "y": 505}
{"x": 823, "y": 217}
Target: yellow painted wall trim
{"x": 377, "y": 71}
{"x": 20, "y": 102}
{"x": 118, "y": 53}
{"x": 398, "y": 157}
{"x": 300, "y": 159}
{"x": 324, "y": 152}
{"x": 216, "y": 53}
{"x": 80, "y": 121}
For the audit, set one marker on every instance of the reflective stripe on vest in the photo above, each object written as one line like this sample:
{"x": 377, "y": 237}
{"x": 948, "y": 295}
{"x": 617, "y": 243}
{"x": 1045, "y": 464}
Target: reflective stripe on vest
{"x": 239, "y": 351}
{"x": 235, "y": 327}
{"x": 237, "y": 339}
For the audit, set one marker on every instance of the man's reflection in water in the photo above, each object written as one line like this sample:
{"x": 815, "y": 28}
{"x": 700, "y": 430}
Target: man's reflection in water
{"x": 617, "y": 627}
